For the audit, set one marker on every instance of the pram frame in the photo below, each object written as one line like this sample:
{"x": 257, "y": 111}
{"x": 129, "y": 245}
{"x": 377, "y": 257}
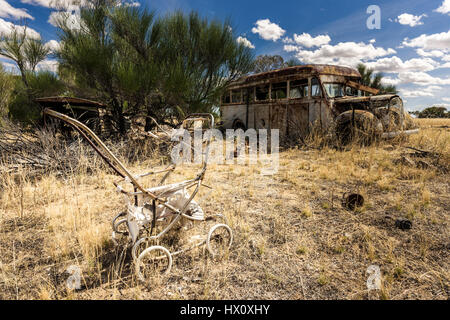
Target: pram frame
{"x": 139, "y": 190}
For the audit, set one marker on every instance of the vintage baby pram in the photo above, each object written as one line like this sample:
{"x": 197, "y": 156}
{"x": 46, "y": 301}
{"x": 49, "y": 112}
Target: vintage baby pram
{"x": 155, "y": 212}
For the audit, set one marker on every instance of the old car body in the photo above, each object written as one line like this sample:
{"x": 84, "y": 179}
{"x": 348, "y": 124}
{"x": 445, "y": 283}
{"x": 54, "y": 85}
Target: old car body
{"x": 295, "y": 99}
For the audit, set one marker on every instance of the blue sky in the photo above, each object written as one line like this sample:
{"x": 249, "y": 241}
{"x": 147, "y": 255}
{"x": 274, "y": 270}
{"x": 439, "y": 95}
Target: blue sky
{"x": 412, "y": 46}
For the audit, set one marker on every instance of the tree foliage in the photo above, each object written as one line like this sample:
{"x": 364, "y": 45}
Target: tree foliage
{"x": 27, "y": 52}
{"x": 293, "y": 62}
{"x": 433, "y": 112}
{"x": 265, "y": 63}
{"x": 201, "y": 58}
{"x": 139, "y": 64}
{"x": 6, "y": 88}
{"x": 96, "y": 58}
{"x": 370, "y": 79}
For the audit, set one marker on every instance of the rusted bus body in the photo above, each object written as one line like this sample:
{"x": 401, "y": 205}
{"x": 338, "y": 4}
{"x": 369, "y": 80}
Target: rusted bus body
{"x": 293, "y": 99}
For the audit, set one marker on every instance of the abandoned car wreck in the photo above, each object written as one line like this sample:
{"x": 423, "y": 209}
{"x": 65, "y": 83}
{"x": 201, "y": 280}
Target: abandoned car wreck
{"x": 295, "y": 99}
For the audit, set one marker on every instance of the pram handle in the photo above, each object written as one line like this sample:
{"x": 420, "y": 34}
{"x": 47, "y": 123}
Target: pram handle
{"x": 110, "y": 158}
{"x": 143, "y": 175}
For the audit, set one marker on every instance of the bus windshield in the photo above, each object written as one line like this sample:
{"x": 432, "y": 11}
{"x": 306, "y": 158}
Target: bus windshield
{"x": 334, "y": 89}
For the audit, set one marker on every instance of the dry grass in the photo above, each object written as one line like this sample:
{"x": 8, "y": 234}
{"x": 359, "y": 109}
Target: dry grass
{"x": 293, "y": 239}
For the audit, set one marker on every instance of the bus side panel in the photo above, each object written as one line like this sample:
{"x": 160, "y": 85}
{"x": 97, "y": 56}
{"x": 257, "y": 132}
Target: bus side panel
{"x": 262, "y": 117}
{"x": 278, "y": 117}
{"x": 327, "y": 117}
{"x": 315, "y": 112}
{"x": 232, "y": 113}
{"x": 298, "y": 120}
{"x": 251, "y": 116}
{"x": 320, "y": 114}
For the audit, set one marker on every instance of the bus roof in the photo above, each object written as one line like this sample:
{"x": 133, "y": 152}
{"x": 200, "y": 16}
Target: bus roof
{"x": 320, "y": 69}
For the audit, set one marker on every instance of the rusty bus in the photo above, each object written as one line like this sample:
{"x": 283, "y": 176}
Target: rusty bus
{"x": 296, "y": 98}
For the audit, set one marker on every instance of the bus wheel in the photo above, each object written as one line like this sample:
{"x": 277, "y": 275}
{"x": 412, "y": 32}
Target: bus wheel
{"x": 238, "y": 124}
{"x": 360, "y": 126}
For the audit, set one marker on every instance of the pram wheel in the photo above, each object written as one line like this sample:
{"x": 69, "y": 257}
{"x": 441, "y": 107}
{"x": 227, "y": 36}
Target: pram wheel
{"x": 139, "y": 247}
{"x": 219, "y": 240}
{"x": 120, "y": 227}
{"x": 152, "y": 262}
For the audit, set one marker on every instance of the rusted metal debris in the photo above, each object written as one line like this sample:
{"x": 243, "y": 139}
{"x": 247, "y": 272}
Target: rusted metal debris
{"x": 401, "y": 223}
{"x": 352, "y": 201}
{"x": 87, "y": 111}
{"x": 423, "y": 159}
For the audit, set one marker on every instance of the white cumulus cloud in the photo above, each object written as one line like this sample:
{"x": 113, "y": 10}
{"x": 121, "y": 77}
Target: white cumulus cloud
{"x": 395, "y": 65}
{"x": 444, "y": 8}
{"x": 245, "y": 42}
{"x": 436, "y": 41}
{"x": 306, "y": 40}
{"x": 56, "y": 4}
{"x": 419, "y": 78}
{"x": 53, "y": 45}
{"x": 48, "y": 65}
{"x": 410, "y": 19}
{"x": 7, "y": 27}
{"x": 344, "y": 53}
{"x": 10, "y": 66}
{"x": 291, "y": 48}
{"x": 8, "y": 11}
{"x": 268, "y": 30}
{"x": 420, "y": 92}
{"x": 432, "y": 53}
{"x": 71, "y": 17}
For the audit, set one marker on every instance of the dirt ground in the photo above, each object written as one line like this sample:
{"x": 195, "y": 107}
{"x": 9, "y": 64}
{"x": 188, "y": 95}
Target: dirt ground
{"x": 293, "y": 239}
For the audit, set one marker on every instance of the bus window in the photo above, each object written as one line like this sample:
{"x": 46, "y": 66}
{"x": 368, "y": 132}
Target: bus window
{"x": 252, "y": 93}
{"x": 315, "y": 88}
{"x": 298, "y": 89}
{"x": 334, "y": 90}
{"x": 262, "y": 93}
{"x": 244, "y": 95}
{"x": 248, "y": 95}
{"x": 349, "y": 91}
{"x": 279, "y": 90}
{"x": 226, "y": 97}
{"x": 236, "y": 96}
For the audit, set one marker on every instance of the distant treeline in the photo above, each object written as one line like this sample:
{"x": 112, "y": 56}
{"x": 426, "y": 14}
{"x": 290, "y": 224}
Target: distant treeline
{"x": 432, "y": 112}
